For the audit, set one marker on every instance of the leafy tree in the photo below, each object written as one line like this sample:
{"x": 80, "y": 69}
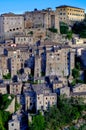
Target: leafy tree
{"x": 54, "y": 30}
{"x": 83, "y": 127}
{"x": 38, "y": 123}
{"x": 31, "y": 32}
{"x": 63, "y": 28}
{"x": 62, "y": 115}
{"x": 4, "y": 119}
{"x": 75, "y": 73}
{"x": 80, "y": 28}
{"x": 73, "y": 82}
{"x": 78, "y": 65}
{"x": 72, "y": 128}
{"x": 8, "y": 76}
{"x": 17, "y": 106}
{"x": 69, "y": 35}
{"x": 59, "y": 116}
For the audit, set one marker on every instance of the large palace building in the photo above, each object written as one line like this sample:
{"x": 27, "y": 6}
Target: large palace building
{"x": 10, "y": 24}
{"x": 70, "y": 13}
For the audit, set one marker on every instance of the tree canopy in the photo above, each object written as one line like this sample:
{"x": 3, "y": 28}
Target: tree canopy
{"x": 59, "y": 116}
{"x": 80, "y": 28}
{"x": 63, "y": 28}
{"x": 38, "y": 123}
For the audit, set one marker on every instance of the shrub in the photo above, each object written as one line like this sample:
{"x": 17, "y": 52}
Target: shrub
{"x": 54, "y": 30}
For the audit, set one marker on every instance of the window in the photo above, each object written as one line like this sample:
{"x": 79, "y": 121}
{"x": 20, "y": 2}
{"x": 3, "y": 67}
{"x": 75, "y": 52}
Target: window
{"x": 63, "y": 13}
{"x": 18, "y": 39}
{"x": 30, "y": 104}
{"x": 24, "y": 39}
{"x": 13, "y": 29}
{"x": 38, "y": 98}
{"x": 17, "y": 28}
{"x": 50, "y": 54}
{"x": 12, "y": 124}
{"x": 53, "y": 103}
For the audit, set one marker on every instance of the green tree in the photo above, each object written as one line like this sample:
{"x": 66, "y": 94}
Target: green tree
{"x": 72, "y": 128}
{"x": 17, "y": 106}
{"x": 78, "y": 65}
{"x": 8, "y": 76}
{"x": 4, "y": 117}
{"x": 69, "y": 35}
{"x": 75, "y": 73}
{"x": 73, "y": 82}
{"x": 80, "y": 28}
{"x": 54, "y": 30}
{"x": 31, "y": 32}
{"x": 83, "y": 127}
{"x": 62, "y": 115}
{"x": 63, "y": 28}
{"x": 38, "y": 123}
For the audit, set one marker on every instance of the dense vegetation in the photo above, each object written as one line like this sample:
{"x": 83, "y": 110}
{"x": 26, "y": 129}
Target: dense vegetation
{"x": 76, "y": 75}
{"x": 8, "y": 76}
{"x": 5, "y": 101}
{"x": 17, "y": 106}
{"x": 4, "y": 115}
{"x": 59, "y": 116}
{"x": 80, "y": 28}
{"x": 64, "y": 29}
{"x": 38, "y": 123}
{"x": 31, "y": 32}
{"x": 54, "y": 30}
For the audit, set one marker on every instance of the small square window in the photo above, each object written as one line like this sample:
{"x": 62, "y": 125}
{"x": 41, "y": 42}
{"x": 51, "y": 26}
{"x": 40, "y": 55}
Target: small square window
{"x": 12, "y": 124}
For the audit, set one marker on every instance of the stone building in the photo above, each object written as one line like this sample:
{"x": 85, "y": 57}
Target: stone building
{"x": 57, "y": 85}
{"x": 79, "y": 95}
{"x": 14, "y": 60}
{"x": 60, "y": 61}
{"x": 29, "y": 100}
{"x": 79, "y": 91}
{"x": 3, "y": 89}
{"x": 79, "y": 88}
{"x": 11, "y": 24}
{"x": 45, "y": 100}
{"x": 15, "y": 88}
{"x": 69, "y": 13}
{"x": 14, "y": 124}
{"x": 46, "y": 18}
{"x": 24, "y": 40}
{"x": 4, "y": 64}
{"x": 78, "y": 41}
{"x": 37, "y": 67}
